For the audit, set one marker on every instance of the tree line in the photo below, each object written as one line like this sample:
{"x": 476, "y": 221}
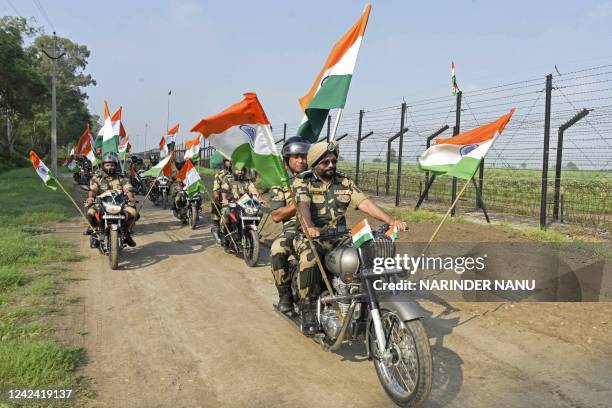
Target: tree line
{"x": 25, "y": 90}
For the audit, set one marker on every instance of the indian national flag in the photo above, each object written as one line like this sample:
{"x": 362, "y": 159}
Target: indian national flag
{"x": 88, "y": 151}
{"x": 43, "y": 171}
{"x": 242, "y": 133}
{"x": 361, "y": 233}
{"x": 331, "y": 87}
{"x": 163, "y": 147}
{"x": 460, "y": 155}
{"x": 124, "y": 147}
{"x": 164, "y": 165}
{"x": 392, "y": 233}
{"x": 109, "y": 141}
{"x": 171, "y": 139}
{"x": 83, "y": 140}
{"x": 191, "y": 178}
{"x": 72, "y": 165}
{"x": 192, "y": 148}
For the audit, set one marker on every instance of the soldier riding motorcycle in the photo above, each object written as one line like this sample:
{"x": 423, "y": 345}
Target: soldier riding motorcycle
{"x": 111, "y": 210}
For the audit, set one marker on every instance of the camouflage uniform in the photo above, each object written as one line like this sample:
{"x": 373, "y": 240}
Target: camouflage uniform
{"x": 282, "y": 247}
{"x": 328, "y": 206}
{"x": 237, "y": 188}
{"x": 102, "y": 183}
{"x": 218, "y": 181}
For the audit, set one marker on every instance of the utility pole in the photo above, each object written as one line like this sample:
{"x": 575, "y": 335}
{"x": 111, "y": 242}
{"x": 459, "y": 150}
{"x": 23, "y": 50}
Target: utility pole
{"x": 145, "y": 142}
{"x": 53, "y": 57}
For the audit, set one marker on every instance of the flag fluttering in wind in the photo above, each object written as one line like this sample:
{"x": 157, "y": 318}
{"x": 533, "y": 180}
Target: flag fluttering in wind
{"x": 109, "y": 141}
{"x": 331, "y": 87}
{"x": 83, "y": 140}
{"x": 460, "y": 156}
{"x": 454, "y": 79}
{"x": 124, "y": 147}
{"x": 171, "y": 139}
{"x": 392, "y": 232}
{"x": 191, "y": 178}
{"x": 88, "y": 151}
{"x": 72, "y": 165}
{"x": 43, "y": 171}
{"x": 164, "y": 165}
{"x": 242, "y": 133}
{"x": 192, "y": 148}
{"x": 163, "y": 147}
{"x": 362, "y": 233}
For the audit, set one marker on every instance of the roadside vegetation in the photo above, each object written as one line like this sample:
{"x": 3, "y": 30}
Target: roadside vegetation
{"x": 32, "y": 270}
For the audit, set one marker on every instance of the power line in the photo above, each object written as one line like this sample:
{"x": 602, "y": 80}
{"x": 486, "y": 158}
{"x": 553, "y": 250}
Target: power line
{"x": 42, "y": 10}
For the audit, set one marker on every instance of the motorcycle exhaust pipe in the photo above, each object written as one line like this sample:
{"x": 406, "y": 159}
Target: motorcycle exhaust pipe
{"x": 347, "y": 319}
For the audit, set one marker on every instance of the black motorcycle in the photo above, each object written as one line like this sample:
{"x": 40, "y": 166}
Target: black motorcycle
{"x": 161, "y": 191}
{"x": 241, "y": 234}
{"x": 188, "y": 209}
{"x": 388, "y": 322}
{"x": 112, "y": 224}
{"x": 139, "y": 182}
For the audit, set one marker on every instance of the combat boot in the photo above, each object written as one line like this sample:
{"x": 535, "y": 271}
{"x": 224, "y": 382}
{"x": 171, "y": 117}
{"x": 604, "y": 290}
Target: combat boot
{"x": 285, "y": 299}
{"x": 310, "y": 325}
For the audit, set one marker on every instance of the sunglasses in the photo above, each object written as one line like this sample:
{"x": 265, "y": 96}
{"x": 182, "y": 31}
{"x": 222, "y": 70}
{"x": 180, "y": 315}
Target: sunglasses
{"x": 327, "y": 162}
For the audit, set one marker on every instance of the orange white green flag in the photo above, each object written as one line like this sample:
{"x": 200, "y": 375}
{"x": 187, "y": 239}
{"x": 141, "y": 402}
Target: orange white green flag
{"x": 43, "y": 171}
{"x": 460, "y": 156}
{"x": 109, "y": 141}
{"x": 362, "y": 233}
{"x": 192, "y": 148}
{"x": 191, "y": 178}
{"x": 242, "y": 133}
{"x": 330, "y": 88}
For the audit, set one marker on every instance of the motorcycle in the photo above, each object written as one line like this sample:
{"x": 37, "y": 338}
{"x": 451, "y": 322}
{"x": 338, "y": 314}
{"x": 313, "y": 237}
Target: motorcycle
{"x": 188, "y": 209}
{"x": 139, "y": 182}
{"x": 388, "y": 322}
{"x": 162, "y": 190}
{"x": 112, "y": 223}
{"x": 243, "y": 237}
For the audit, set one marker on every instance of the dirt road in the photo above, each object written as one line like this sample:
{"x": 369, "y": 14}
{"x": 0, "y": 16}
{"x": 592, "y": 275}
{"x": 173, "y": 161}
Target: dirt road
{"x": 182, "y": 324}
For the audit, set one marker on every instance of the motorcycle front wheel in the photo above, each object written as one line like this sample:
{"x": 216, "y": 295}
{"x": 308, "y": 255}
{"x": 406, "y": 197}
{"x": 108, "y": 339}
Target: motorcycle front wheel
{"x": 251, "y": 248}
{"x": 406, "y": 373}
{"x": 193, "y": 216}
{"x": 113, "y": 254}
{"x": 164, "y": 199}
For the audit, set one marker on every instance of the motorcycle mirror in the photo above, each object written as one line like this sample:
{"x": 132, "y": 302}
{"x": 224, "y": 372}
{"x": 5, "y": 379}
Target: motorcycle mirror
{"x": 84, "y": 187}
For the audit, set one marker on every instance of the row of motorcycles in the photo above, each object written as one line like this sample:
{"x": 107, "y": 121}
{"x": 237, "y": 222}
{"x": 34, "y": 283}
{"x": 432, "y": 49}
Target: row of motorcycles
{"x": 388, "y": 323}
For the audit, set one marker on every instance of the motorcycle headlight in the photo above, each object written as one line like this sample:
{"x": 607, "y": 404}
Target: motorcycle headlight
{"x": 112, "y": 208}
{"x": 251, "y": 211}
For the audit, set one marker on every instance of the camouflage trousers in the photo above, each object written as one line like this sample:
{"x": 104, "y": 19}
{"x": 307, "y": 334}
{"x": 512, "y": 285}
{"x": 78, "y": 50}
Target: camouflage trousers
{"x": 310, "y": 282}
{"x": 280, "y": 251}
{"x": 131, "y": 212}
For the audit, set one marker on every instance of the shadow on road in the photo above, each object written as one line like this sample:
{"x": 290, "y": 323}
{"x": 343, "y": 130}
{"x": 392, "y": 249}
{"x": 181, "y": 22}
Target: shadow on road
{"x": 154, "y": 252}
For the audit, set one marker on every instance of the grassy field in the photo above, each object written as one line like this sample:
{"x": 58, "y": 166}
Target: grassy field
{"x": 587, "y": 195}
{"x": 31, "y": 276}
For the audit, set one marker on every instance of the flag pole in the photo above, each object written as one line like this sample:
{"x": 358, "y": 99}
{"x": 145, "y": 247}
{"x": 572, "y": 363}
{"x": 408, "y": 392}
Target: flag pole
{"x": 76, "y": 206}
{"x": 335, "y": 129}
{"x": 433, "y": 236}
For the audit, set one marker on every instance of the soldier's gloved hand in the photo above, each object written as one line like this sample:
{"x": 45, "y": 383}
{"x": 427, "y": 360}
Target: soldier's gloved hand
{"x": 401, "y": 225}
{"x": 313, "y": 232}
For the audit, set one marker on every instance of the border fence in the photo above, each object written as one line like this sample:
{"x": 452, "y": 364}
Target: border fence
{"x": 553, "y": 161}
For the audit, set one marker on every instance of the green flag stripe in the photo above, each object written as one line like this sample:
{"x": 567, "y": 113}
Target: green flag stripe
{"x": 464, "y": 169}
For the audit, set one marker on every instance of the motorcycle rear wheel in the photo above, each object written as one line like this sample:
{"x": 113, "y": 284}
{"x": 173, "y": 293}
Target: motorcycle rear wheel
{"x": 407, "y": 378}
{"x": 113, "y": 255}
{"x": 251, "y": 248}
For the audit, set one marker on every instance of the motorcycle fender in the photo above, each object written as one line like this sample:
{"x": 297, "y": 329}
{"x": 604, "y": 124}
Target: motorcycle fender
{"x": 252, "y": 227}
{"x": 406, "y": 309}
{"x": 114, "y": 227}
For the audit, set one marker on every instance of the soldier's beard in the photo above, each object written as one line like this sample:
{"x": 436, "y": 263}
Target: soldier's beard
{"x": 327, "y": 173}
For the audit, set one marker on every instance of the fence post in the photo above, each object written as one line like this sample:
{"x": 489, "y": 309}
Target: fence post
{"x": 399, "y": 156}
{"x": 480, "y": 183}
{"x": 456, "y": 130}
{"x": 562, "y": 130}
{"x": 284, "y": 132}
{"x": 358, "y": 158}
{"x": 328, "y": 127}
{"x": 377, "y": 190}
{"x": 428, "y": 144}
{"x": 544, "y": 190}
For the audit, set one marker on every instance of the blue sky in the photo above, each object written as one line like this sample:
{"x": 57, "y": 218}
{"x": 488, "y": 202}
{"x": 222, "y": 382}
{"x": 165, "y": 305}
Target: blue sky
{"x": 210, "y": 52}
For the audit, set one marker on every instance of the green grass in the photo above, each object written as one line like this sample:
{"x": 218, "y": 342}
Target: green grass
{"x": 31, "y": 274}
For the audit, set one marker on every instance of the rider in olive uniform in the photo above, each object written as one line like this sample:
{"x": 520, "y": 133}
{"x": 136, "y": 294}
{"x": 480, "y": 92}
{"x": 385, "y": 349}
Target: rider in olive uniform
{"x": 283, "y": 210}
{"x": 324, "y": 196}
{"x": 107, "y": 179}
{"x": 225, "y": 170}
